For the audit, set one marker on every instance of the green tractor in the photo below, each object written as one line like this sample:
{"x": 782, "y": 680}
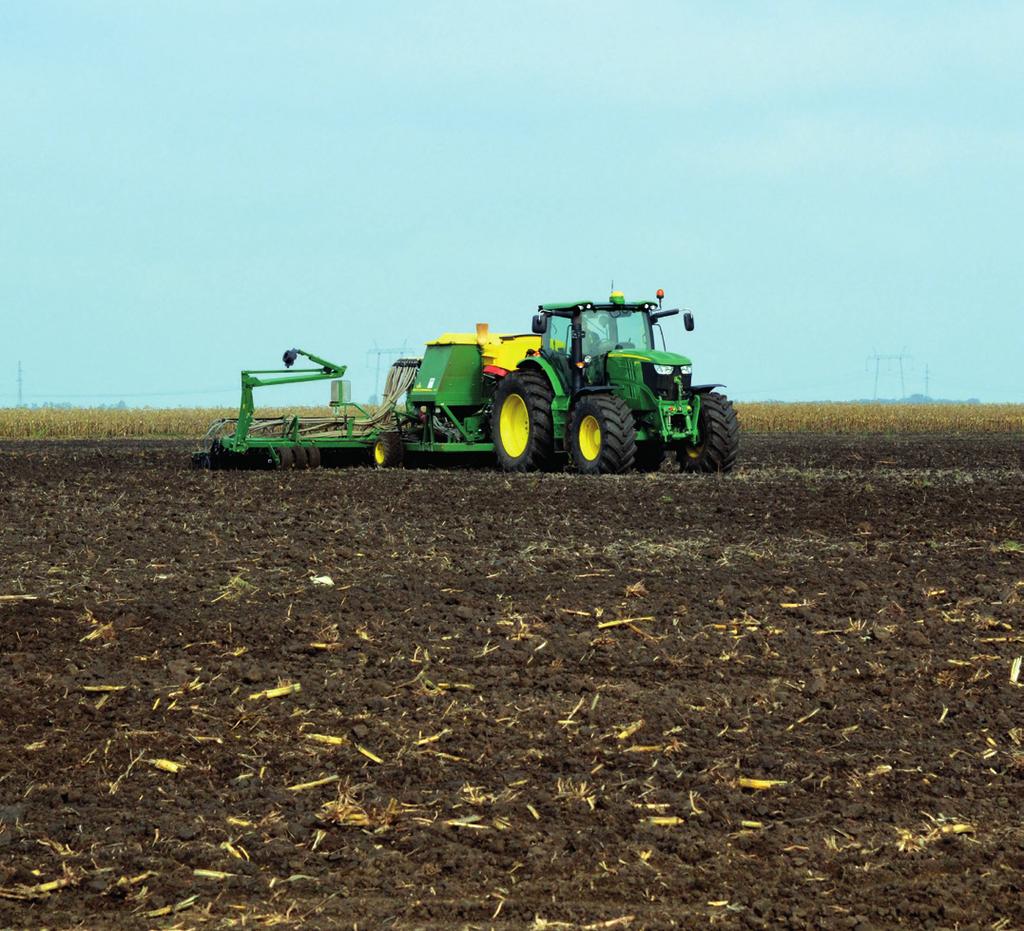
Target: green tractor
{"x": 599, "y": 392}
{"x": 587, "y": 386}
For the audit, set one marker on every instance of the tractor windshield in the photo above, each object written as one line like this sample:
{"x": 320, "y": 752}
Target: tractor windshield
{"x": 605, "y": 330}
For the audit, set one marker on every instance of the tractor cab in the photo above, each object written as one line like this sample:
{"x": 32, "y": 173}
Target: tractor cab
{"x": 580, "y": 340}
{"x": 604, "y": 329}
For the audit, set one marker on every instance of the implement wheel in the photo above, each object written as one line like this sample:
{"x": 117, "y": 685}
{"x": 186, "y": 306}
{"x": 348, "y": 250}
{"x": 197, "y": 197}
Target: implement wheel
{"x": 388, "y": 451}
{"x": 719, "y": 433}
{"x": 521, "y": 425}
{"x": 313, "y": 455}
{"x": 602, "y": 435}
{"x": 301, "y": 457}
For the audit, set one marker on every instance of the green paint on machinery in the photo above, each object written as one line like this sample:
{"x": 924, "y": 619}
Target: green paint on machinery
{"x": 587, "y": 387}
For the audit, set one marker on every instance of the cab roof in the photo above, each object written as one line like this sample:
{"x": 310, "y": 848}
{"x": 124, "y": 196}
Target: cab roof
{"x": 594, "y": 305}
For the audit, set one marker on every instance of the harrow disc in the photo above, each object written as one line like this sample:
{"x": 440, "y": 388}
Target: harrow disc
{"x": 286, "y": 455}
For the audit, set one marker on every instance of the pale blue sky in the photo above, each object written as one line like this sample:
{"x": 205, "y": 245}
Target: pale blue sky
{"x": 189, "y": 188}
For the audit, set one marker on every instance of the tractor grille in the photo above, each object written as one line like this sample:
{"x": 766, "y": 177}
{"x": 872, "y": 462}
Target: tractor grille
{"x": 664, "y": 386}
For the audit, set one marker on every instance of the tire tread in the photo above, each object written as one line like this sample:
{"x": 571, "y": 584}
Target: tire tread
{"x": 618, "y": 434}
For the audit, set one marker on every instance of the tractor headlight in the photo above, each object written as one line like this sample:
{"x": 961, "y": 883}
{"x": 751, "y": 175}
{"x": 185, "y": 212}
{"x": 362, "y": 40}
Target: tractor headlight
{"x": 664, "y": 369}
{"x": 685, "y": 369}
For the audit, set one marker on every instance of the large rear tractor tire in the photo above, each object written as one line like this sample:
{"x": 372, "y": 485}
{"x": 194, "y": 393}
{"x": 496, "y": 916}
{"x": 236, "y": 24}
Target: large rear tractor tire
{"x": 602, "y": 435}
{"x": 719, "y": 433}
{"x": 388, "y": 452}
{"x": 521, "y": 424}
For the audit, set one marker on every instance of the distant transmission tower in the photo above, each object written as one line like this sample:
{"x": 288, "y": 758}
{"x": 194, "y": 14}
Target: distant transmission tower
{"x": 890, "y": 360}
{"x": 394, "y": 352}
{"x": 20, "y": 403}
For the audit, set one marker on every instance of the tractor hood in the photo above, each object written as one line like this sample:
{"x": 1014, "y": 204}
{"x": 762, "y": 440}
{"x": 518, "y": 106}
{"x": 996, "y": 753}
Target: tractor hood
{"x": 657, "y": 356}
{"x": 665, "y": 375}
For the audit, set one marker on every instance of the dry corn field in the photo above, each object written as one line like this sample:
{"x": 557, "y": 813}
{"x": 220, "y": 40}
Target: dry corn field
{"x": 136, "y": 423}
{"x": 457, "y": 699}
{"x": 120, "y": 424}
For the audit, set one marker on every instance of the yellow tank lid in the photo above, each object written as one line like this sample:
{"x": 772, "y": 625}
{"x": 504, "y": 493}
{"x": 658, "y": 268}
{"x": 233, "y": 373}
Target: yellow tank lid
{"x": 482, "y": 337}
{"x": 505, "y": 350}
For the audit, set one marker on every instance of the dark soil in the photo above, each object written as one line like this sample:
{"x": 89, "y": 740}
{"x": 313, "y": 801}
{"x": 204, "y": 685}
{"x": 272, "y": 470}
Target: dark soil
{"x": 839, "y": 615}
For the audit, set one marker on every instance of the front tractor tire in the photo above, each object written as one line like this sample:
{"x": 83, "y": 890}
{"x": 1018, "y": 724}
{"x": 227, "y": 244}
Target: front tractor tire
{"x": 602, "y": 435}
{"x": 521, "y": 426}
{"x": 719, "y": 433}
{"x": 388, "y": 451}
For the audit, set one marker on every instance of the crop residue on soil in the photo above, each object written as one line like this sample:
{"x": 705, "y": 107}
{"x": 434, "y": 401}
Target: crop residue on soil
{"x": 459, "y": 698}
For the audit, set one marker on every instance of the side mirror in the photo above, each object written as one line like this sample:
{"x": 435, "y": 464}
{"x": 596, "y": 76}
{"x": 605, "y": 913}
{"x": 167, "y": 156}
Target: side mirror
{"x": 540, "y": 324}
{"x": 688, "y": 321}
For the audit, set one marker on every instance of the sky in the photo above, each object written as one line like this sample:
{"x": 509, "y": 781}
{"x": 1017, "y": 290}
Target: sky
{"x": 188, "y": 189}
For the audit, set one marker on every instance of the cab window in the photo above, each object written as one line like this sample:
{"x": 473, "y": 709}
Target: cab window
{"x": 557, "y": 337}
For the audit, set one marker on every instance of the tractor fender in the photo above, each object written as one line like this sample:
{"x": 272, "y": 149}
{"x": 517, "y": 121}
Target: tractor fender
{"x": 704, "y": 389}
{"x": 537, "y": 363}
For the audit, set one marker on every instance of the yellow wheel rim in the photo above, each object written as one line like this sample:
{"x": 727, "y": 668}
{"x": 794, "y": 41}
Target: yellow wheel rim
{"x": 514, "y": 425}
{"x": 590, "y": 438}
{"x": 378, "y": 453}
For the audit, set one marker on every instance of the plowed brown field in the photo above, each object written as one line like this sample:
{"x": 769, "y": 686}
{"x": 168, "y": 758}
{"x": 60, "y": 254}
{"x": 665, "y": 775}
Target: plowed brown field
{"x": 781, "y": 698}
